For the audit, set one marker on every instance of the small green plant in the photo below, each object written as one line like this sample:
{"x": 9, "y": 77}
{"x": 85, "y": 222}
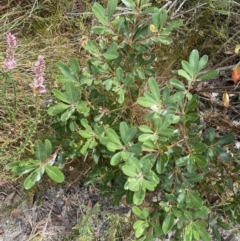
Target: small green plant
{"x": 85, "y": 232}
{"x": 44, "y": 162}
{"x": 171, "y": 152}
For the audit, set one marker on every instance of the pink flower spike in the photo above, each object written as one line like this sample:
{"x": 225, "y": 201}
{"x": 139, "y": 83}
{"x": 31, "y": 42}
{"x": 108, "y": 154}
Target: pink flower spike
{"x": 11, "y": 40}
{"x": 9, "y": 62}
{"x": 39, "y": 71}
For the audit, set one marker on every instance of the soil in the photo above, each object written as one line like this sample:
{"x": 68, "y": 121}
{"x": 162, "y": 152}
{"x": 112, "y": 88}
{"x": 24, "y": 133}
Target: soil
{"x": 58, "y": 213}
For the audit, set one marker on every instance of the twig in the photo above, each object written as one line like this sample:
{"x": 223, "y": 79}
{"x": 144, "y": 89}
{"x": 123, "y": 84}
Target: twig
{"x": 226, "y": 60}
{"x": 190, "y": 10}
{"x": 172, "y": 5}
{"x": 178, "y": 9}
{"x": 30, "y": 15}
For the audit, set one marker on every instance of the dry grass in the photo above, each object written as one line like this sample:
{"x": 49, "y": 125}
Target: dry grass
{"x": 44, "y": 28}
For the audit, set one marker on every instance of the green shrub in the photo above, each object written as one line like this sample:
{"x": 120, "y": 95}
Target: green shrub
{"x": 169, "y": 151}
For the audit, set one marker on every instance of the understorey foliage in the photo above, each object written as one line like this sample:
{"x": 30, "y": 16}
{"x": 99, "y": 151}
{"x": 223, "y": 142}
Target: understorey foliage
{"x": 168, "y": 153}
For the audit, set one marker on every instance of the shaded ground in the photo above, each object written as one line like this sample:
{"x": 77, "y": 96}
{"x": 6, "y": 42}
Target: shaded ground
{"x": 60, "y": 213}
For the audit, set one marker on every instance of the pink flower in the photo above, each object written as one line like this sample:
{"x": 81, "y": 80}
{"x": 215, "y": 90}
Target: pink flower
{"x": 9, "y": 62}
{"x": 39, "y": 71}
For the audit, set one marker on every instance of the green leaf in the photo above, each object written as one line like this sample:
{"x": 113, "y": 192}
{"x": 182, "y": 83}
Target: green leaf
{"x": 195, "y": 200}
{"x": 165, "y": 40}
{"x": 181, "y": 199}
{"x": 101, "y": 30}
{"x": 134, "y": 162}
{"x": 110, "y": 54}
{"x": 188, "y": 233}
{"x": 121, "y": 94}
{"x": 177, "y": 84}
{"x": 111, "y": 8}
{"x": 182, "y": 161}
{"x": 145, "y": 129}
{"x": 72, "y": 92}
{"x": 146, "y": 101}
{"x": 201, "y": 213}
{"x": 184, "y": 74}
{"x": 29, "y": 182}
{"x": 74, "y": 65}
{"x": 61, "y": 96}
{"x": 62, "y": 79}
{"x": 82, "y": 108}
{"x": 161, "y": 163}
{"x": 141, "y": 32}
{"x": 204, "y": 234}
{"x": 155, "y": 20}
{"x": 85, "y": 134}
{"x": 145, "y": 213}
{"x": 146, "y": 137}
{"x": 54, "y": 173}
{"x": 99, "y": 13}
{"x": 149, "y": 185}
{"x": 187, "y": 67}
{"x": 65, "y": 70}
{"x": 216, "y": 233}
{"x": 195, "y": 234}
{"x": 162, "y": 18}
{"x": 137, "y": 211}
{"x": 129, "y": 3}
{"x": 226, "y": 139}
{"x": 129, "y": 171}
{"x": 56, "y": 109}
{"x": 112, "y": 135}
{"x": 193, "y": 61}
{"x": 192, "y": 104}
{"x": 187, "y": 215}
{"x": 119, "y": 74}
{"x": 209, "y": 75}
{"x": 134, "y": 184}
{"x": 48, "y": 148}
{"x": 210, "y": 135}
{"x": 92, "y": 48}
{"x": 138, "y": 224}
{"x": 191, "y": 165}
{"x": 154, "y": 88}
{"x": 141, "y": 228}
{"x": 168, "y": 223}
{"x": 116, "y": 159}
{"x": 200, "y": 160}
{"x": 177, "y": 97}
{"x": 85, "y": 124}
{"x": 202, "y": 62}
{"x": 139, "y": 196}
{"x": 147, "y": 160}
{"x": 126, "y": 133}
{"x": 192, "y": 117}
{"x": 20, "y": 170}
{"x": 67, "y": 114}
{"x": 34, "y": 177}
{"x": 175, "y": 24}
{"x": 40, "y": 153}
{"x": 193, "y": 177}
{"x": 149, "y": 10}
{"x": 199, "y": 147}
{"x": 113, "y": 146}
